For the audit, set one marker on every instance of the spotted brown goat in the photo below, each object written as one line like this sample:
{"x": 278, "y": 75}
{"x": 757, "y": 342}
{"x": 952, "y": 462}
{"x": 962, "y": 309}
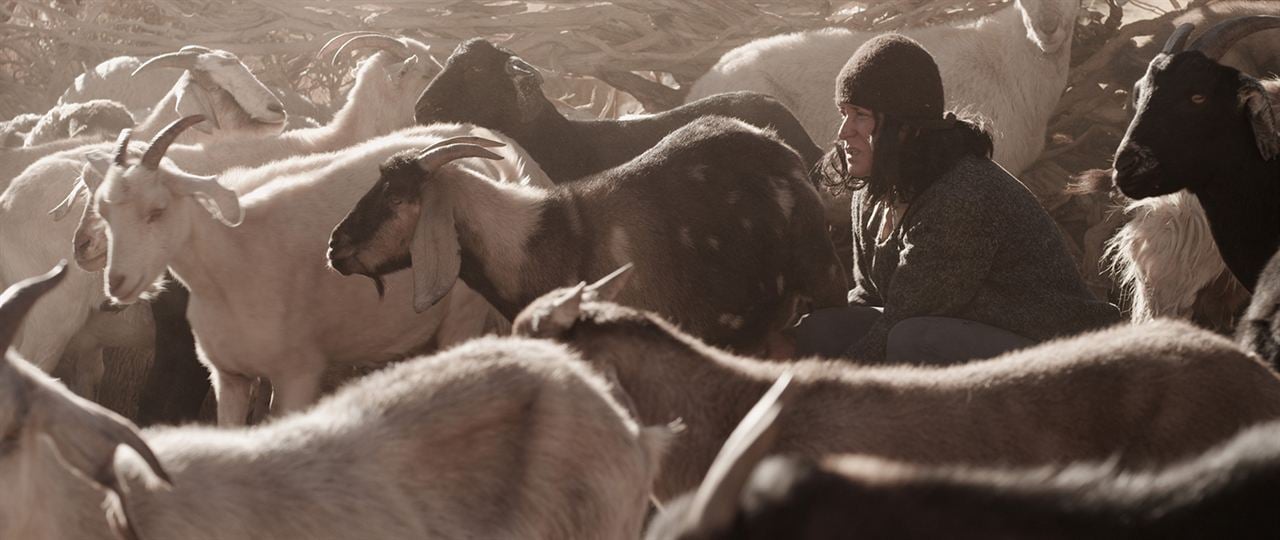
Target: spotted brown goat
{"x": 724, "y": 229}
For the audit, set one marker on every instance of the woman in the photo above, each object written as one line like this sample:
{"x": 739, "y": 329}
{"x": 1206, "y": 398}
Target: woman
{"x": 953, "y": 258}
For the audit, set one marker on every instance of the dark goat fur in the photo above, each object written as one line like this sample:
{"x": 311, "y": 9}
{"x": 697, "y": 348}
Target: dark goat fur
{"x": 1227, "y": 492}
{"x": 1210, "y": 148}
{"x": 714, "y": 217}
{"x": 1142, "y": 394}
{"x": 476, "y": 87}
{"x": 1259, "y": 328}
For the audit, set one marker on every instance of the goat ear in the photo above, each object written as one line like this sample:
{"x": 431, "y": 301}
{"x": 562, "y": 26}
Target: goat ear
{"x": 220, "y": 202}
{"x": 91, "y": 233}
{"x": 560, "y": 313}
{"x": 715, "y": 503}
{"x": 1253, "y": 97}
{"x": 96, "y": 165}
{"x": 192, "y": 100}
{"x": 435, "y": 255}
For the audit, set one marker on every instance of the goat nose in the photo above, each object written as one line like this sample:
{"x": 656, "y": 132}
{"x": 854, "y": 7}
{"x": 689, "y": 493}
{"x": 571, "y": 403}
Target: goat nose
{"x": 115, "y": 282}
{"x": 275, "y": 108}
{"x": 1126, "y": 160}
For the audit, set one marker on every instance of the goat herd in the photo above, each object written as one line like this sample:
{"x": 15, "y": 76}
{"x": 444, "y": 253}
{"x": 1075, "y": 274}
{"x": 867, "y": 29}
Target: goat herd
{"x": 644, "y": 269}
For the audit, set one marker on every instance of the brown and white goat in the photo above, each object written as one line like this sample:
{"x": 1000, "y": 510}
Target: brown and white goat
{"x": 498, "y": 438}
{"x": 726, "y": 232}
{"x": 1148, "y": 393}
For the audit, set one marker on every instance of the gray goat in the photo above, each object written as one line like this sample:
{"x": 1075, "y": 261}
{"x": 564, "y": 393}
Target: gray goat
{"x": 499, "y": 438}
{"x": 1143, "y": 394}
{"x": 1227, "y": 492}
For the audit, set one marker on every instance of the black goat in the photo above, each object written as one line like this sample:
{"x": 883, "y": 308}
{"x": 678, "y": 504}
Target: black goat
{"x": 1227, "y": 492}
{"x": 1210, "y": 129}
{"x": 489, "y": 86}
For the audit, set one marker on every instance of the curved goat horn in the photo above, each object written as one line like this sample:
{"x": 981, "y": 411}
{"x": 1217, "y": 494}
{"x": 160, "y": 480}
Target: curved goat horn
{"x": 433, "y": 158}
{"x": 1220, "y": 37}
{"x": 179, "y": 60}
{"x": 337, "y": 41}
{"x": 196, "y": 49}
{"x": 376, "y": 41}
{"x": 17, "y": 300}
{"x": 160, "y": 144}
{"x": 1178, "y": 40}
{"x": 478, "y": 141}
{"x": 122, "y": 147}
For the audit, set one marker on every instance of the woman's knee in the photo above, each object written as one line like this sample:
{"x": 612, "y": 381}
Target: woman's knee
{"x": 946, "y": 340}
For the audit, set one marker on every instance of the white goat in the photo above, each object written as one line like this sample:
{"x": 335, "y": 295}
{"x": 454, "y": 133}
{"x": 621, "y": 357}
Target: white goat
{"x": 381, "y": 100}
{"x": 499, "y": 438}
{"x": 1148, "y": 393}
{"x": 100, "y": 116}
{"x": 13, "y": 132}
{"x": 1010, "y": 67}
{"x": 1166, "y": 263}
{"x": 114, "y": 79}
{"x": 30, "y": 239}
{"x": 263, "y": 304}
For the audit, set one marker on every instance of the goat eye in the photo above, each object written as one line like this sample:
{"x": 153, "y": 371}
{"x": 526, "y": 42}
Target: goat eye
{"x": 153, "y": 215}
{"x": 1198, "y": 99}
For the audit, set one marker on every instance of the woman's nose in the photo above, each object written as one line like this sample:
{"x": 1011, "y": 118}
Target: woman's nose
{"x": 846, "y": 128}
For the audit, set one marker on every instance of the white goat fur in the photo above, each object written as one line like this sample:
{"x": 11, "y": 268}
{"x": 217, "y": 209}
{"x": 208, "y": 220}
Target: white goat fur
{"x": 1164, "y": 257}
{"x": 113, "y": 79}
{"x": 71, "y": 323}
{"x": 1139, "y": 394}
{"x": 1009, "y": 67}
{"x": 380, "y": 101}
{"x": 499, "y": 438}
{"x": 263, "y": 303}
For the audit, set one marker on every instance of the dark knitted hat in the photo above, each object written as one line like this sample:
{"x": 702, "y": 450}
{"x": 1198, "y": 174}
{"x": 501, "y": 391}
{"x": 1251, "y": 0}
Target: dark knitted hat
{"x": 894, "y": 75}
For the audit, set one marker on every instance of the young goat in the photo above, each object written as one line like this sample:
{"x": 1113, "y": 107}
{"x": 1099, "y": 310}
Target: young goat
{"x": 733, "y": 274}
{"x": 1149, "y": 393}
{"x": 1226, "y": 492}
{"x": 499, "y": 438}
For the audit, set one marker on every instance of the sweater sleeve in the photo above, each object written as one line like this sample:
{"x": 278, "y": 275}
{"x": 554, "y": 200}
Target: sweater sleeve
{"x": 947, "y": 247}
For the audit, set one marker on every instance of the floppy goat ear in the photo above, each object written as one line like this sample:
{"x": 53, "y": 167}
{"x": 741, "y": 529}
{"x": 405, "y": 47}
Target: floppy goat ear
{"x": 435, "y": 255}
{"x": 192, "y": 100}
{"x": 222, "y": 203}
{"x": 1254, "y": 99}
{"x": 715, "y": 504}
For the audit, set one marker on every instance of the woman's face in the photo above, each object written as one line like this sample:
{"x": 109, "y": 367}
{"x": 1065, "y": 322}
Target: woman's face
{"x": 857, "y": 125}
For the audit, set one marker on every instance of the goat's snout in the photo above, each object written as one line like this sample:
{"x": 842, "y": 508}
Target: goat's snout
{"x": 342, "y": 253}
{"x": 1128, "y": 160}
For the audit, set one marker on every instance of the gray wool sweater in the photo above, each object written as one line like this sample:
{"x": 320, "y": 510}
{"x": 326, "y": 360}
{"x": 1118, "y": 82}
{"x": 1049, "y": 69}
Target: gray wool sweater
{"x": 976, "y": 245}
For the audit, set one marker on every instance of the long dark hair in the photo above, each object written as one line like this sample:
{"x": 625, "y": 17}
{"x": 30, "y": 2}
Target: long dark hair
{"x": 907, "y": 159}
